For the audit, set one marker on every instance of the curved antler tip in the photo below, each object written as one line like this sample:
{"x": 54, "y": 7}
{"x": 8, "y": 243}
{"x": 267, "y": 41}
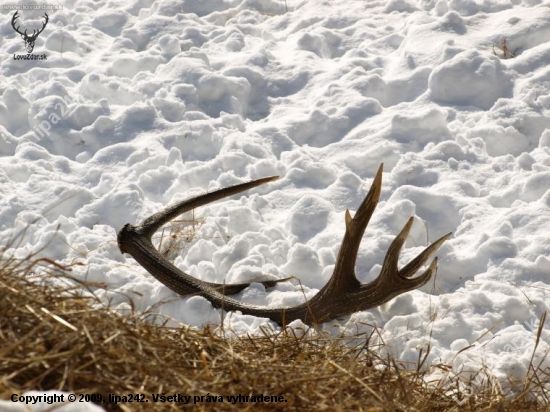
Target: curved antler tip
{"x": 442, "y": 239}
{"x": 407, "y": 226}
{"x": 423, "y": 278}
{"x": 433, "y": 266}
{"x": 266, "y": 179}
{"x": 378, "y": 175}
{"x": 348, "y": 219}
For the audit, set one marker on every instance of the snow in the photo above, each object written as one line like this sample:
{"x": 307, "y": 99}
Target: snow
{"x": 143, "y": 103}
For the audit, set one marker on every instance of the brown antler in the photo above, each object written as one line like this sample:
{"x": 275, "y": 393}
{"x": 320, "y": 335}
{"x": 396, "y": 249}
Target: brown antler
{"x": 342, "y": 295}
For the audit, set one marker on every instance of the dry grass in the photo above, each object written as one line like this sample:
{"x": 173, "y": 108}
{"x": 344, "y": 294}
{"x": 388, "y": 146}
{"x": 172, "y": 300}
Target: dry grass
{"x": 173, "y": 238}
{"x": 503, "y": 47}
{"x": 56, "y": 335}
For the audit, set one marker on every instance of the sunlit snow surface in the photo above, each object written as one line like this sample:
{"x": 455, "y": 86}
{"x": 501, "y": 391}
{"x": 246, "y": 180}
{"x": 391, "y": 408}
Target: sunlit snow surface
{"x": 168, "y": 99}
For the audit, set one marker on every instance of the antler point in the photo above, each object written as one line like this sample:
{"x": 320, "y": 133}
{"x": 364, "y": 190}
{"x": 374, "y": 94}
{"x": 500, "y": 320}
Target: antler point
{"x": 348, "y": 218}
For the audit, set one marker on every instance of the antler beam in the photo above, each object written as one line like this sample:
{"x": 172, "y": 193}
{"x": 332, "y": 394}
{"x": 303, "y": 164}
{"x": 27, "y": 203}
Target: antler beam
{"x": 342, "y": 295}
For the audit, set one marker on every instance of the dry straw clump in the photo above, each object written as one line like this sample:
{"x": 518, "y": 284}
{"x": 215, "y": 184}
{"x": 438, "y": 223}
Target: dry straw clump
{"x": 54, "y": 334}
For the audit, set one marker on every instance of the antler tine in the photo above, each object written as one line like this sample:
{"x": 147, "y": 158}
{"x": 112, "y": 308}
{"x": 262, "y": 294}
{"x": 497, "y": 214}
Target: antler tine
{"x": 154, "y": 222}
{"x": 344, "y": 270}
{"x": 410, "y": 268}
{"x": 405, "y": 284}
{"x": 424, "y": 277}
{"x": 366, "y": 209}
{"x": 392, "y": 255}
{"x": 391, "y": 275}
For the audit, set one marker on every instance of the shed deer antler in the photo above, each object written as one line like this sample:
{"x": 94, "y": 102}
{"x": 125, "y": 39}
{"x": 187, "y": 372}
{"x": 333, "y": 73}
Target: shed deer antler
{"x": 342, "y": 295}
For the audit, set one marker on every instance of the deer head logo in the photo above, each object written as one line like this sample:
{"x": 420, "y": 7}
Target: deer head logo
{"x": 29, "y": 40}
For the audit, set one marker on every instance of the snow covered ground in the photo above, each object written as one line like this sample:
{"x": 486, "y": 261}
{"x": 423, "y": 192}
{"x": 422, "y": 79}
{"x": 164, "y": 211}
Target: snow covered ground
{"x": 141, "y": 103}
